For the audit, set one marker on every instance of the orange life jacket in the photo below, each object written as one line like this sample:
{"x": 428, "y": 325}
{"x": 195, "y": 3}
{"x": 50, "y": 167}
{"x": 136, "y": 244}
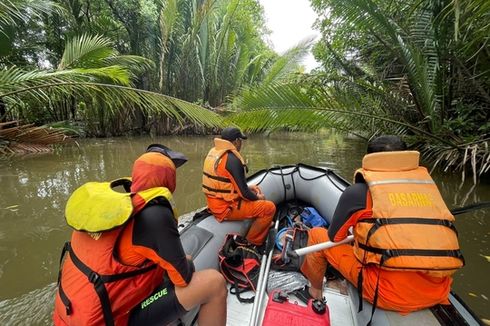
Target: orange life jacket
{"x": 411, "y": 228}
{"x": 214, "y": 184}
{"x": 94, "y": 288}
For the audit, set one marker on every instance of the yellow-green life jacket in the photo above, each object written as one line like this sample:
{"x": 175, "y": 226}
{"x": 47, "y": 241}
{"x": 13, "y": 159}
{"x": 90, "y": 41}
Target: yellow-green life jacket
{"x": 97, "y": 207}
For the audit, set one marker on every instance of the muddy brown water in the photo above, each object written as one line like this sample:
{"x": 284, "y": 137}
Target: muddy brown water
{"x": 34, "y": 190}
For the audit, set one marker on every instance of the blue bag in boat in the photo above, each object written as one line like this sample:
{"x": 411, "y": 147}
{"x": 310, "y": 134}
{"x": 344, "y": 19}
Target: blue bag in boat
{"x": 312, "y": 218}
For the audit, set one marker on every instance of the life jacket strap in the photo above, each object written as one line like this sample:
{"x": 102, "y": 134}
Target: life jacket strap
{"x": 379, "y": 222}
{"x": 217, "y": 177}
{"x": 101, "y": 290}
{"x": 98, "y": 281}
{"x": 376, "y": 294}
{"x": 390, "y": 253}
{"x": 359, "y": 288}
{"x": 217, "y": 190}
{"x": 360, "y": 278}
{"x": 63, "y": 296}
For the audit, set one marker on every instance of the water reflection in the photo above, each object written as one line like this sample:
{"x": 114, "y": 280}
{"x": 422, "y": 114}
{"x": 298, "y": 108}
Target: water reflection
{"x": 34, "y": 191}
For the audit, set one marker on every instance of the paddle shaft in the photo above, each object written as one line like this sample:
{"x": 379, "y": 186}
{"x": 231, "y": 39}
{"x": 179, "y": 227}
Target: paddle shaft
{"x": 262, "y": 290}
{"x": 469, "y": 208}
{"x": 263, "y": 274}
{"x": 255, "y": 306}
{"x": 321, "y": 246}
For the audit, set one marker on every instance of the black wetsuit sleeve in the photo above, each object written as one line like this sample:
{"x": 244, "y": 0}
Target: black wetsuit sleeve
{"x": 353, "y": 199}
{"x": 235, "y": 167}
{"x": 156, "y": 229}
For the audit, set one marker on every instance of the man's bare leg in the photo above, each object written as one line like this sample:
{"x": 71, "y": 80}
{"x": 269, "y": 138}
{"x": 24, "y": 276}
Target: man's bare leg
{"x": 207, "y": 288}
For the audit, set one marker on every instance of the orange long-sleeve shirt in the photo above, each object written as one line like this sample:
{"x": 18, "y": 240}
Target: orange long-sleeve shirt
{"x": 153, "y": 235}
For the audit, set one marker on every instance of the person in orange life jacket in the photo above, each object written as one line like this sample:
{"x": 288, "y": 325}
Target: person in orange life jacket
{"x": 390, "y": 185}
{"x": 151, "y": 237}
{"x": 225, "y": 187}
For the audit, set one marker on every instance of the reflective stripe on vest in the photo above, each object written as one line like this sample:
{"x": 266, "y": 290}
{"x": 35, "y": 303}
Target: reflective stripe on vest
{"x": 399, "y": 181}
{"x": 214, "y": 184}
{"x": 411, "y": 228}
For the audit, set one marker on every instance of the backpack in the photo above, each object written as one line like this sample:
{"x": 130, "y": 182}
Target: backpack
{"x": 239, "y": 262}
{"x": 309, "y": 216}
{"x": 312, "y": 218}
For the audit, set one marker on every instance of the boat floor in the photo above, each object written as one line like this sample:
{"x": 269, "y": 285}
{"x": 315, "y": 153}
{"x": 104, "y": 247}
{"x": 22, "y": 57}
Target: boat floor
{"x": 335, "y": 293}
{"x": 343, "y": 311}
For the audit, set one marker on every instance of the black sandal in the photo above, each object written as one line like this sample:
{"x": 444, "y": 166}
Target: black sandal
{"x": 303, "y": 294}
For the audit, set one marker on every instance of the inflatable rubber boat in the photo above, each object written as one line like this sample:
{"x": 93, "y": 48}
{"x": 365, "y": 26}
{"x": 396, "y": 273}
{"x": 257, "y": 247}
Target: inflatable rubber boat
{"x": 320, "y": 188}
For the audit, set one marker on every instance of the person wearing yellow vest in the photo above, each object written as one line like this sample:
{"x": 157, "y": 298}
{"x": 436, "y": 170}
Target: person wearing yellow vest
{"x": 225, "y": 187}
{"x": 125, "y": 264}
{"x": 405, "y": 242}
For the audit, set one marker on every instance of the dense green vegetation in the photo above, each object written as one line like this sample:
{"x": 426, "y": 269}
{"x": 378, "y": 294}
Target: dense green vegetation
{"x": 84, "y": 62}
{"x": 418, "y": 68}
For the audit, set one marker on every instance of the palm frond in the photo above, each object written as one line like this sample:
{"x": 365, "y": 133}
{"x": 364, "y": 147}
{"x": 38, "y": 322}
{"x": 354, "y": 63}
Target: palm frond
{"x": 93, "y": 56}
{"x": 292, "y": 119}
{"x": 18, "y": 138}
{"x": 168, "y": 18}
{"x": 135, "y": 64}
{"x": 41, "y": 85}
{"x": 336, "y": 109}
{"x": 277, "y": 96}
{"x": 168, "y": 22}
{"x": 419, "y": 77}
{"x": 474, "y": 156}
{"x": 16, "y": 78}
{"x": 288, "y": 62}
{"x": 417, "y": 54}
{"x": 13, "y": 11}
{"x": 86, "y": 51}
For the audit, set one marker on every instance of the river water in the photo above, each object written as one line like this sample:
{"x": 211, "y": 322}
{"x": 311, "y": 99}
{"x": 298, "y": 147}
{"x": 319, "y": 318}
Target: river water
{"x": 34, "y": 191}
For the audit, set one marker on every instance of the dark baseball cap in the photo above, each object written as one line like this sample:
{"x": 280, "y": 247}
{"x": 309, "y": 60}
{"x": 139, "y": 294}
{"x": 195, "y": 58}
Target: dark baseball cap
{"x": 176, "y": 157}
{"x": 232, "y": 133}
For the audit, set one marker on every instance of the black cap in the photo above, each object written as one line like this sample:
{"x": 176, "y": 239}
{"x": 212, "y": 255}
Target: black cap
{"x": 232, "y": 133}
{"x": 176, "y": 157}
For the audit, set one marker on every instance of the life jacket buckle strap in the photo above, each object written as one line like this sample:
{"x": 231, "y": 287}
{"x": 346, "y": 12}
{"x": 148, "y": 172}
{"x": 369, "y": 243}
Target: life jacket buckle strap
{"x": 93, "y": 277}
{"x": 68, "y": 309}
{"x": 388, "y": 253}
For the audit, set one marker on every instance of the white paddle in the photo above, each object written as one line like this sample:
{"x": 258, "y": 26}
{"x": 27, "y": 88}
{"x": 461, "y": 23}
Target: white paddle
{"x": 321, "y": 246}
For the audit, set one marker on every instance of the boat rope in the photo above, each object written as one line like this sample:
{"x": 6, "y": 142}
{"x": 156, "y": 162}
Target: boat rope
{"x": 297, "y": 168}
{"x": 283, "y": 184}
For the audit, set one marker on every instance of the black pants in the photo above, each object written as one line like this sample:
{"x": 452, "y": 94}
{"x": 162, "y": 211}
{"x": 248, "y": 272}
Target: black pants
{"x": 160, "y": 308}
